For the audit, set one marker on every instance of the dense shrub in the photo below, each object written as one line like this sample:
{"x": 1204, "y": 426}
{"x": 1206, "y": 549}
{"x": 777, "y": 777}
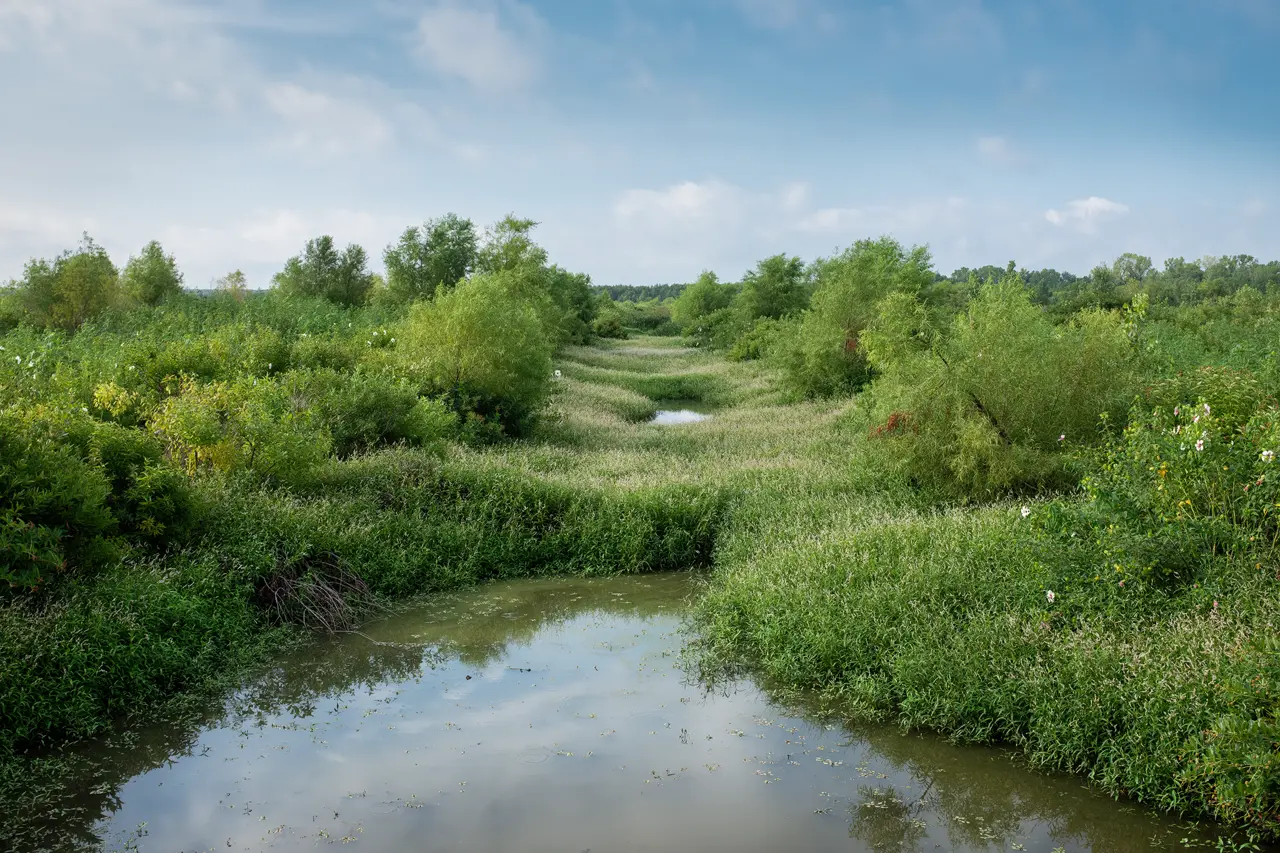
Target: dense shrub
{"x": 1188, "y": 483}
{"x": 982, "y": 406}
{"x": 64, "y": 293}
{"x": 362, "y": 411}
{"x": 151, "y": 276}
{"x": 482, "y": 348}
{"x": 439, "y": 254}
{"x": 240, "y": 425}
{"x": 824, "y": 356}
{"x": 700, "y": 299}
{"x": 53, "y": 503}
{"x": 321, "y": 270}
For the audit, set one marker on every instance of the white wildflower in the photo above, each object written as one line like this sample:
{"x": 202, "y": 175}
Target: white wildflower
{"x": 1026, "y": 510}
{"x": 1049, "y": 595}
{"x": 1268, "y": 456}
{"x": 1200, "y": 445}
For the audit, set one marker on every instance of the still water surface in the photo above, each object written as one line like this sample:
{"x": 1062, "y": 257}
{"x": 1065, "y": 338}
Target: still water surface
{"x": 552, "y": 715}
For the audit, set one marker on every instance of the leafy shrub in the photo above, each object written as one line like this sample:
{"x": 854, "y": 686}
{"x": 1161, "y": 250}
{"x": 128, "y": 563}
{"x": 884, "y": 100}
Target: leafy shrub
{"x": 1184, "y": 486}
{"x": 361, "y": 411}
{"x": 761, "y": 339}
{"x": 825, "y": 357}
{"x": 74, "y": 287}
{"x": 482, "y": 349}
{"x": 700, "y": 299}
{"x": 151, "y": 275}
{"x": 240, "y": 425}
{"x": 323, "y": 351}
{"x": 609, "y": 327}
{"x": 774, "y": 289}
{"x": 992, "y": 400}
{"x": 439, "y": 254}
{"x": 54, "y": 505}
{"x": 321, "y": 270}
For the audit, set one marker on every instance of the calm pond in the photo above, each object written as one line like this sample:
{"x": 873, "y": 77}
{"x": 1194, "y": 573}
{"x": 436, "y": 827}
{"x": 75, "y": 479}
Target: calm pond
{"x": 552, "y": 715}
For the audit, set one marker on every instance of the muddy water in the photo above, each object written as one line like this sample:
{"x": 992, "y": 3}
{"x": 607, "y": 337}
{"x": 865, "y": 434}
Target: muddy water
{"x": 552, "y": 716}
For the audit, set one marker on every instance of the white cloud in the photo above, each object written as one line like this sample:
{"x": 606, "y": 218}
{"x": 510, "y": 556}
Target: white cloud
{"x": 869, "y": 221}
{"x": 683, "y": 204}
{"x": 1084, "y": 214}
{"x": 31, "y": 233}
{"x": 795, "y": 197}
{"x": 265, "y": 239}
{"x": 323, "y": 125}
{"x": 471, "y": 43}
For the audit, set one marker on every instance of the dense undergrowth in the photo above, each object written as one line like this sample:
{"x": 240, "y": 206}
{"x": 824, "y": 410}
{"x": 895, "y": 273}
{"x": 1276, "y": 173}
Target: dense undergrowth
{"x": 948, "y": 506}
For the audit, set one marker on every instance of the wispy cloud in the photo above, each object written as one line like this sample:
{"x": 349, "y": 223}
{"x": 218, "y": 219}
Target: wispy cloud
{"x": 321, "y": 125}
{"x": 477, "y": 44}
{"x": 1084, "y": 214}
{"x": 681, "y": 205}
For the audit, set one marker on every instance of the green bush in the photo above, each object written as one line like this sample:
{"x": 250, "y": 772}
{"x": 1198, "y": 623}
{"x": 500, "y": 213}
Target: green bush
{"x": 249, "y": 425}
{"x": 324, "y": 352}
{"x": 825, "y": 357}
{"x": 362, "y": 411}
{"x": 609, "y": 327}
{"x": 321, "y": 270}
{"x": 439, "y": 254}
{"x": 482, "y": 348}
{"x": 985, "y": 406}
{"x": 700, "y": 299}
{"x": 54, "y": 504}
{"x": 151, "y": 276}
{"x": 1185, "y": 486}
{"x": 70, "y": 290}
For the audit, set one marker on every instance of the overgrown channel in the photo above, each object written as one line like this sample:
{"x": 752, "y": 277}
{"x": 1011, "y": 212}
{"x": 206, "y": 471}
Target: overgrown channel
{"x": 944, "y": 565}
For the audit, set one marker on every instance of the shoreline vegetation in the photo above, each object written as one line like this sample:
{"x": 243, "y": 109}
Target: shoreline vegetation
{"x": 1009, "y": 506}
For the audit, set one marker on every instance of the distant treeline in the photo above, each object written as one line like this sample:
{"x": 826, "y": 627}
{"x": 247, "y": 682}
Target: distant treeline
{"x": 1179, "y": 282}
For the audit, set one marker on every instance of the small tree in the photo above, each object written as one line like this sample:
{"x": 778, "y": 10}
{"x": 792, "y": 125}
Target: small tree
{"x": 698, "y": 300}
{"x": 484, "y": 349}
{"x": 74, "y": 287}
{"x": 151, "y": 275}
{"x": 441, "y": 252}
{"x": 774, "y": 289}
{"x": 321, "y": 270}
{"x": 826, "y": 357}
{"x": 233, "y": 284}
{"x": 508, "y": 246}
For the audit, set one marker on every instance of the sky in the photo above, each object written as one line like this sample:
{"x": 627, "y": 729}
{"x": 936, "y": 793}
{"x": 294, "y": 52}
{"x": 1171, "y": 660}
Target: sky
{"x": 651, "y": 139}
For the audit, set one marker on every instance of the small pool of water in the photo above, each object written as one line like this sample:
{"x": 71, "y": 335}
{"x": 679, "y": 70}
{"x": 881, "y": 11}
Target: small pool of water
{"x": 667, "y": 417}
{"x": 681, "y": 412}
{"x": 552, "y": 715}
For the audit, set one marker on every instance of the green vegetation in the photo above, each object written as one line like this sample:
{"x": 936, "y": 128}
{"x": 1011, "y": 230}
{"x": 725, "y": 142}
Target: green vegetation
{"x": 1014, "y": 507}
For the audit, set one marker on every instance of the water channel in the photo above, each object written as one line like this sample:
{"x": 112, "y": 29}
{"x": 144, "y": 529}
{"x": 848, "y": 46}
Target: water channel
{"x": 553, "y": 715}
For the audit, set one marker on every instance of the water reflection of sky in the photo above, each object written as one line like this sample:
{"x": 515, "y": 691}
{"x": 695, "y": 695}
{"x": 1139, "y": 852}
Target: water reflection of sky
{"x": 668, "y": 417}
{"x": 558, "y": 721}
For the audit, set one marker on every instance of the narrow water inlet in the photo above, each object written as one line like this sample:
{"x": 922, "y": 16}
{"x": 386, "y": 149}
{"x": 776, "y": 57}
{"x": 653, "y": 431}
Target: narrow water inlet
{"x": 553, "y": 715}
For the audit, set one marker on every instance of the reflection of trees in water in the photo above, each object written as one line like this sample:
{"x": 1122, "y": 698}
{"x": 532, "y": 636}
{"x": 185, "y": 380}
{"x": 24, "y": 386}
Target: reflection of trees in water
{"x": 55, "y": 803}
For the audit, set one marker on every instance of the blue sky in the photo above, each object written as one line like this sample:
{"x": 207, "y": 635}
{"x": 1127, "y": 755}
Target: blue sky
{"x": 651, "y": 138}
